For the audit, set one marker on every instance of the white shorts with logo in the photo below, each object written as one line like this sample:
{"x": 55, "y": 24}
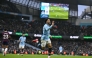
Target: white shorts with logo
{"x": 21, "y": 46}
{"x": 44, "y": 42}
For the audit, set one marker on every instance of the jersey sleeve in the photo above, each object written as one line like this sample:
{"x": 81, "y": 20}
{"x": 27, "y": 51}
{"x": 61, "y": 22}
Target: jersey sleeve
{"x": 25, "y": 39}
{"x": 48, "y": 27}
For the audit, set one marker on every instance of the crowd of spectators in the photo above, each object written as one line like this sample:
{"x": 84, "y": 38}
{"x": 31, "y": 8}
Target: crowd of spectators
{"x": 35, "y": 27}
{"x": 61, "y": 28}
{"x": 78, "y": 47}
{"x": 6, "y": 6}
{"x": 16, "y": 25}
{"x": 13, "y": 46}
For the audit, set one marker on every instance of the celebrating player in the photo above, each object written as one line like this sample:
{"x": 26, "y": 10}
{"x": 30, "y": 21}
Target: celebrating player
{"x": 22, "y": 41}
{"x": 5, "y": 42}
{"x": 45, "y": 37}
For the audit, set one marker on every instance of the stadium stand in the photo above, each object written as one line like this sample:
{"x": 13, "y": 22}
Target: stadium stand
{"x": 8, "y": 7}
{"x": 28, "y": 27}
{"x": 78, "y": 47}
{"x": 15, "y": 26}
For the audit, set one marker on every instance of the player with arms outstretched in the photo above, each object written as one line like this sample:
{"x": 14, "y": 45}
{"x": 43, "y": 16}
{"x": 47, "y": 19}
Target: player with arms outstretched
{"x": 5, "y": 42}
{"x": 45, "y": 39}
{"x": 22, "y": 41}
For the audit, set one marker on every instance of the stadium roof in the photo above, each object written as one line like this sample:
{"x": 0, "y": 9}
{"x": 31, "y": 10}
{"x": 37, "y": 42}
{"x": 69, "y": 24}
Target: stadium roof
{"x": 36, "y": 3}
{"x": 80, "y": 2}
{"x": 30, "y": 3}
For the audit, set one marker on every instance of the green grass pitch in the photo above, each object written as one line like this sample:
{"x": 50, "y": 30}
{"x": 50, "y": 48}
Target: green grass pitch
{"x": 58, "y": 12}
{"x": 40, "y": 56}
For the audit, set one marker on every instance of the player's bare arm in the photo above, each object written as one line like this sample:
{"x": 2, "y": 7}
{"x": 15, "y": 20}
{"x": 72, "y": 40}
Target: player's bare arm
{"x": 52, "y": 23}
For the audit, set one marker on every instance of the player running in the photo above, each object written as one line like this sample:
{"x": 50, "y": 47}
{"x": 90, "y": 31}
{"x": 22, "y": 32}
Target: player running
{"x": 5, "y": 42}
{"x": 60, "y": 50}
{"x": 22, "y": 41}
{"x": 45, "y": 37}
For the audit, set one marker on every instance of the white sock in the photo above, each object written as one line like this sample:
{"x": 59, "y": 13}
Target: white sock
{"x": 3, "y": 51}
{"x": 48, "y": 56}
{"x": 6, "y": 49}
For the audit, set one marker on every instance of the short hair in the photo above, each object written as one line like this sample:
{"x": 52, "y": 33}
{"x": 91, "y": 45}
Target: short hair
{"x": 46, "y": 20}
{"x": 5, "y": 29}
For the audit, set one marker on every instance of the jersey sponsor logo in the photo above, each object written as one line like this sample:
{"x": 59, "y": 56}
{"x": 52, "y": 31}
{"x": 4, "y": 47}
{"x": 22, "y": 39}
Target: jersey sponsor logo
{"x": 75, "y": 37}
{"x": 37, "y": 35}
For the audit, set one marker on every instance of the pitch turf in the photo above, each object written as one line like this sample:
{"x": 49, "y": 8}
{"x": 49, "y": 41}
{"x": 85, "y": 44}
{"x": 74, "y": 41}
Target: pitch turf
{"x": 58, "y": 12}
{"x": 40, "y": 56}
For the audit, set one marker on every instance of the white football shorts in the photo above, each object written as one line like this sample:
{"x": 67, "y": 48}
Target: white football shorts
{"x": 44, "y": 42}
{"x": 21, "y": 46}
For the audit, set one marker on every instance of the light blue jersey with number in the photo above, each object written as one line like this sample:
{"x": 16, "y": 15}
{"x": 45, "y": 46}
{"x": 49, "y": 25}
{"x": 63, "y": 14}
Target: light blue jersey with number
{"x": 22, "y": 40}
{"x": 46, "y": 32}
{"x": 60, "y": 48}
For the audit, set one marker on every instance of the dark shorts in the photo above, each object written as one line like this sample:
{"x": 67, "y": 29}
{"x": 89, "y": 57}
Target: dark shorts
{"x": 5, "y": 42}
